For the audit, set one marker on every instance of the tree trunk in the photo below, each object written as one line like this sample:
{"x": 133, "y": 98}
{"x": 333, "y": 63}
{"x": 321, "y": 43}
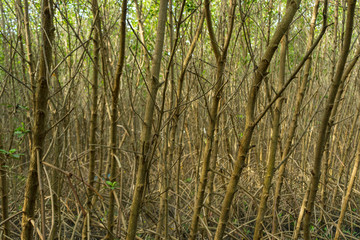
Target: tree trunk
{"x": 86, "y": 231}
{"x": 346, "y": 198}
{"x": 4, "y": 191}
{"x": 275, "y": 132}
{"x": 146, "y": 139}
{"x": 260, "y": 73}
{"x": 213, "y": 113}
{"x": 40, "y": 114}
{"x": 316, "y": 172}
{"x": 114, "y": 120}
{"x": 293, "y": 125}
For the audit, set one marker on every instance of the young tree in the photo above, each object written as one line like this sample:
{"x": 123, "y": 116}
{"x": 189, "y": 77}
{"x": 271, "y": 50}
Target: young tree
{"x": 147, "y": 142}
{"x": 220, "y": 56}
{"x": 114, "y": 119}
{"x": 275, "y": 132}
{"x": 94, "y": 115}
{"x": 40, "y": 114}
{"x": 260, "y": 73}
{"x": 321, "y": 140}
{"x": 294, "y": 120}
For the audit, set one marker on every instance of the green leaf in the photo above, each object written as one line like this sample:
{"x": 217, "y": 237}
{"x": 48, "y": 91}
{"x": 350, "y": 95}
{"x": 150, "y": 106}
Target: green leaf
{"x": 21, "y": 131}
{"x": 17, "y": 156}
{"x": 111, "y": 184}
{"x": 4, "y": 151}
{"x": 12, "y": 150}
{"x": 23, "y": 107}
{"x": 18, "y": 132}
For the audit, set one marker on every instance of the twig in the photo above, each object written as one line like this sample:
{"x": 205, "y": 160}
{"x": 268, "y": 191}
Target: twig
{"x": 69, "y": 174}
{"x": 37, "y": 229}
{"x": 60, "y": 120}
{"x": 9, "y": 218}
{"x": 11, "y": 75}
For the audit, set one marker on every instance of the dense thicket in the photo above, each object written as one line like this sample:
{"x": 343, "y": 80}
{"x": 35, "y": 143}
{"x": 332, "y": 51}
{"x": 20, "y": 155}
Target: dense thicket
{"x": 179, "y": 119}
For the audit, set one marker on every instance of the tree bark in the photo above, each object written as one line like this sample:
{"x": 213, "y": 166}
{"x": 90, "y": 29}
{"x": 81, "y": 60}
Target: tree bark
{"x": 40, "y": 114}
{"x": 4, "y": 191}
{"x": 86, "y": 231}
{"x": 213, "y": 112}
{"x": 114, "y": 120}
{"x": 146, "y": 139}
{"x": 321, "y": 140}
{"x": 346, "y": 198}
{"x": 275, "y": 132}
{"x": 260, "y": 73}
{"x": 294, "y": 121}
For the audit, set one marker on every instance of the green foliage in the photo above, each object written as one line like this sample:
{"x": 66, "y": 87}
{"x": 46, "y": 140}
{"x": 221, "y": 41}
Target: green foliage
{"x": 247, "y": 231}
{"x": 312, "y": 228}
{"x": 240, "y": 116}
{"x": 190, "y": 6}
{"x": 11, "y": 153}
{"x": 112, "y": 185}
{"x": 21, "y": 131}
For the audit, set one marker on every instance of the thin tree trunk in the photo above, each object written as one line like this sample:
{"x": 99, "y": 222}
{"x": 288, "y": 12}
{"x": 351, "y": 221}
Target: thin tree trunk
{"x": 60, "y": 144}
{"x": 335, "y": 38}
{"x": 213, "y": 163}
{"x": 93, "y": 119}
{"x": 344, "y": 158}
{"x": 171, "y": 131}
{"x": 301, "y": 214}
{"x": 146, "y": 139}
{"x": 346, "y": 198}
{"x": 164, "y": 163}
{"x": 114, "y": 120}
{"x": 163, "y": 221}
{"x": 325, "y": 165}
{"x": 293, "y": 125}
{"x": 176, "y": 115}
{"x": 213, "y": 113}
{"x": 325, "y": 119}
{"x": 275, "y": 132}
{"x": 40, "y": 114}
{"x": 28, "y": 43}
{"x": 250, "y": 109}
{"x": 4, "y": 191}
